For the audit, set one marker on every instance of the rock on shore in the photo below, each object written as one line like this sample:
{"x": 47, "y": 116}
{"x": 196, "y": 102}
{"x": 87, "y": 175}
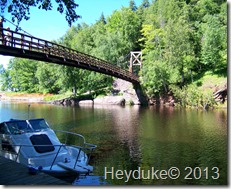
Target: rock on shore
{"x": 122, "y": 93}
{"x": 113, "y": 100}
{"x": 126, "y": 90}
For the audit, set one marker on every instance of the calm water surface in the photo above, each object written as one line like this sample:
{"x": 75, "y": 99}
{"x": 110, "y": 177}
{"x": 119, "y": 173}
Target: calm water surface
{"x": 143, "y": 141}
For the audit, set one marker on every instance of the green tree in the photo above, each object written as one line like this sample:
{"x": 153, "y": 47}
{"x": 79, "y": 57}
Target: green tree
{"x": 209, "y": 22}
{"x": 48, "y": 76}
{"x": 145, "y": 4}
{"x": 168, "y": 53}
{"x": 132, "y": 5}
{"x": 70, "y": 79}
{"x": 178, "y": 49}
{"x": 102, "y": 19}
{"x": 22, "y": 74}
{"x": 83, "y": 40}
{"x": 126, "y": 26}
{"x": 90, "y": 40}
{"x": 68, "y": 39}
{"x": 213, "y": 31}
{"x": 211, "y": 51}
{"x": 5, "y": 81}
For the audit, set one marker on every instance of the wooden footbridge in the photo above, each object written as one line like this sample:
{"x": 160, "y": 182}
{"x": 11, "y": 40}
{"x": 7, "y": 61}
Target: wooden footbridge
{"x": 20, "y": 45}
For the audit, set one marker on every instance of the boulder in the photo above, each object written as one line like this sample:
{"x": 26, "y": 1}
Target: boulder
{"x": 87, "y": 102}
{"x": 113, "y": 100}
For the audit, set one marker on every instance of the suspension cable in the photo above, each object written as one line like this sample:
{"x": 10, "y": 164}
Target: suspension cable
{"x": 119, "y": 62}
{"x": 17, "y": 27}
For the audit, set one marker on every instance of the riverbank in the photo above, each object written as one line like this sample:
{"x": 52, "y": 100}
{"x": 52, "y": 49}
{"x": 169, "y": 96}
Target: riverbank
{"x": 22, "y": 97}
{"x": 121, "y": 94}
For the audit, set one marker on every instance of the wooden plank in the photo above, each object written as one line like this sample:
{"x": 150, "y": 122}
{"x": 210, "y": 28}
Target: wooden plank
{"x": 13, "y": 173}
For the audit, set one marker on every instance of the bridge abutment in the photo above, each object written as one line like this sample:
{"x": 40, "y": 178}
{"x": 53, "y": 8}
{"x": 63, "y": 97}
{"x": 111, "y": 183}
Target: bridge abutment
{"x": 131, "y": 92}
{"x": 140, "y": 94}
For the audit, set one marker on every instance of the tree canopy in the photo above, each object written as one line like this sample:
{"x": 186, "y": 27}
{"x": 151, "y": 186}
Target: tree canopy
{"x": 20, "y": 10}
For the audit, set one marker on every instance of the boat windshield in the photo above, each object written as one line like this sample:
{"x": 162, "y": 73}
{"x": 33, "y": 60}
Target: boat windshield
{"x": 17, "y": 127}
{"x": 38, "y": 124}
{"x": 25, "y": 126}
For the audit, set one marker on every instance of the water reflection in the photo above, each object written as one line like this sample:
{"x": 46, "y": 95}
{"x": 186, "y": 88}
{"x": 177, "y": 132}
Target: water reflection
{"x": 132, "y": 137}
{"x": 126, "y": 127}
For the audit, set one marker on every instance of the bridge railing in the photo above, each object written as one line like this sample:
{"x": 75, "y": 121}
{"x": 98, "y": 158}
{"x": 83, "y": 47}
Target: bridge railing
{"x": 26, "y": 42}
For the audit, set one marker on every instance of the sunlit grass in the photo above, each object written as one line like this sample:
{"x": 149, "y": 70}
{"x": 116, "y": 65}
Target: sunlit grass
{"x": 211, "y": 81}
{"x": 57, "y": 96}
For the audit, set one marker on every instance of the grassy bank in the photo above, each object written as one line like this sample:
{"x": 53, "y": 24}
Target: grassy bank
{"x": 200, "y": 93}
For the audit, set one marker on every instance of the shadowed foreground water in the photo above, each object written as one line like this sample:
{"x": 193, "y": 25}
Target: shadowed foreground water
{"x": 142, "y": 146}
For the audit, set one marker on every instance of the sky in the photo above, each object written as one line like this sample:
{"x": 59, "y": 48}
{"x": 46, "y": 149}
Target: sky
{"x": 51, "y": 25}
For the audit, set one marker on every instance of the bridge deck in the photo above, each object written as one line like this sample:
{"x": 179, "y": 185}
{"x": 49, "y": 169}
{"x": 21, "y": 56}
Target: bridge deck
{"x": 25, "y": 46}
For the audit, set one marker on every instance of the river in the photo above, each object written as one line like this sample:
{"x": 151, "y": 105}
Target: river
{"x": 142, "y": 145}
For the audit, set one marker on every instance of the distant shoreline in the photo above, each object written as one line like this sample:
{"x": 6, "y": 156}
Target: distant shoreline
{"x": 107, "y": 100}
{"x": 25, "y": 98}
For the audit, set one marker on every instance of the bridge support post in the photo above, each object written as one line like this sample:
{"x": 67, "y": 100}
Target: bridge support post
{"x": 135, "y": 60}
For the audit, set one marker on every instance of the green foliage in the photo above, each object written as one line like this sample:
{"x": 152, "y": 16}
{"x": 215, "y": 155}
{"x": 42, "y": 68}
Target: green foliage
{"x": 20, "y": 10}
{"x": 124, "y": 27}
{"x": 2, "y": 70}
{"x": 155, "y": 78}
{"x": 145, "y": 4}
{"x": 48, "y": 78}
{"x": 102, "y": 19}
{"x": 192, "y": 96}
{"x": 69, "y": 79}
{"x": 180, "y": 42}
{"x": 132, "y": 5}
{"x": 57, "y": 97}
{"x": 213, "y": 52}
{"x": 4, "y": 78}
{"x": 22, "y": 75}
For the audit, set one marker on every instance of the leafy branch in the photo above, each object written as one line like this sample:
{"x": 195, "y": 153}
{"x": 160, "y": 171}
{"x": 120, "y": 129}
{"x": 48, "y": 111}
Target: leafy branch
{"x": 20, "y": 9}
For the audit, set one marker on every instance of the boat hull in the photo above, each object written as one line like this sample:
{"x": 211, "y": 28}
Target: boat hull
{"x": 34, "y": 144}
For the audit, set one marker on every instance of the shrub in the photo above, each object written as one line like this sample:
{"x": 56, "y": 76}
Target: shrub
{"x": 193, "y": 97}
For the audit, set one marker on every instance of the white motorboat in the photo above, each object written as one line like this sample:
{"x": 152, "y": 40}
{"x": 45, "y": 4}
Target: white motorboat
{"x": 33, "y": 143}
